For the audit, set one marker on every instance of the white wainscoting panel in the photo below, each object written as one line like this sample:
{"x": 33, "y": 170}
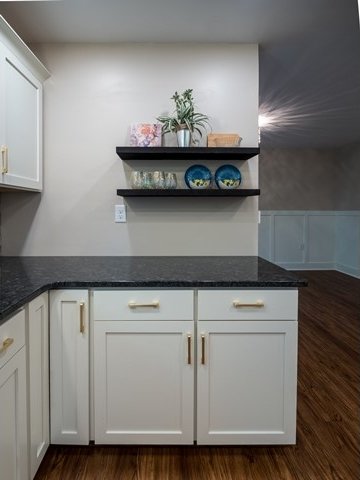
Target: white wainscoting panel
{"x": 265, "y": 236}
{"x": 347, "y": 258}
{"x": 311, "y": 240}
{"x": 320, "y": 239}
{"x": 289, "y": 238}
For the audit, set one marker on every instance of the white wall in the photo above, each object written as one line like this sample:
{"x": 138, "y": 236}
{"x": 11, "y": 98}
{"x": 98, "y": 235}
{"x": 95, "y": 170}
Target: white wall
{"x": 94, "y": 94}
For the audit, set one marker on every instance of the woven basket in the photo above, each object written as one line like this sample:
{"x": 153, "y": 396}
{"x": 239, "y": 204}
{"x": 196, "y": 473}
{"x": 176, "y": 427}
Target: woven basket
{"x": 223, "y": 140}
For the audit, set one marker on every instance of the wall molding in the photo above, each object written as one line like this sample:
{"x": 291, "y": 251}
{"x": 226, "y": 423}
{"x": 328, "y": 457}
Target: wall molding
{"x": 311, "y": 240}
{"x": 308, "y": 266}
{"x": 348, "y": 270}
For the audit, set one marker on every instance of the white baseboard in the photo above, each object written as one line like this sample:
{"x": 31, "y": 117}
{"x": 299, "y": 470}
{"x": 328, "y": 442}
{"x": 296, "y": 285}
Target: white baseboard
{"x": 308, "y": 266}
{"x": 354, "y": 272}
{"x": 322, "y": 266}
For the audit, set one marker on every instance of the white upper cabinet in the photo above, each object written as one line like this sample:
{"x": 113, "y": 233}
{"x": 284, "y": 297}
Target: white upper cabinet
{"x": 21, "y": 77}
{"x": 21, "y": 147}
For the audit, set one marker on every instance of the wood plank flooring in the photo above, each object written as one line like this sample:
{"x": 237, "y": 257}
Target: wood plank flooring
{"x": 328, "y": 429}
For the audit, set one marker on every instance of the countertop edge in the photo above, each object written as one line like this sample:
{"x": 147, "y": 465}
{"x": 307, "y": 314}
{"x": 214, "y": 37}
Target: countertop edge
{"x": 11, "y": 309}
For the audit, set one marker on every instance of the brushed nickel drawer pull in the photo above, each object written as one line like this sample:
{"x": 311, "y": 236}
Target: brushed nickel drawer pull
{"x": 154, "y": 304}
{"x": 189, "y": 349}
{"x": 6, "y": 344}
{"x": 257, "y": 304}
{"x": 82, "y": 320}
{"x": 202, "y": 349}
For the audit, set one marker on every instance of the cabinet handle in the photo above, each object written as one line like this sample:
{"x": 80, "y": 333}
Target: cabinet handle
{"x": 257, "y": 304}
{"x": 4, "y": 159}
{"x": 189, "y": 349}
{"x": 6, "y": 344}
{"x": 202, "y": 349}
{"x": 82, "y": 320}
{"x": 154, "y": 304}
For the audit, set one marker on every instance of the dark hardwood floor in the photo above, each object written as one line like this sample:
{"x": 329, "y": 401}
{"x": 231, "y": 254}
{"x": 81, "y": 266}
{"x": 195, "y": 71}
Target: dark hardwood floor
{"x": 328, "y": 428}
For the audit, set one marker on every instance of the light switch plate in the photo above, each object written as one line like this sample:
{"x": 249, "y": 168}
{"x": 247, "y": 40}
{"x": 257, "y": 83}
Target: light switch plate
{"x": 120, "y": 214}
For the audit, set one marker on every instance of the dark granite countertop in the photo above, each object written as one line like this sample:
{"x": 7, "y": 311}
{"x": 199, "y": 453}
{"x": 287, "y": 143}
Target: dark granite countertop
{"x": 23, "y": 278}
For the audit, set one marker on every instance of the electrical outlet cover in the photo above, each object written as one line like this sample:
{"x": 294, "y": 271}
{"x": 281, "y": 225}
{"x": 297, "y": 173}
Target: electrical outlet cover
{"x": 120, "y": 214}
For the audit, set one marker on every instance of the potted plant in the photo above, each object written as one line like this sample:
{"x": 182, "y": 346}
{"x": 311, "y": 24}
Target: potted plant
{"x": 185, "y": 120}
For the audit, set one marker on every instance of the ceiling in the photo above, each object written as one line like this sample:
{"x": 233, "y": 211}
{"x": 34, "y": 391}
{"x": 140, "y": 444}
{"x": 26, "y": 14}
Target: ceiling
{"x": 309, "y": 51}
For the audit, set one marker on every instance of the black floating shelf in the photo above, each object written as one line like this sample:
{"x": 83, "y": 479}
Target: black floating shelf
{"x": 186, "y": 153}
{"x": 240, "y": 192}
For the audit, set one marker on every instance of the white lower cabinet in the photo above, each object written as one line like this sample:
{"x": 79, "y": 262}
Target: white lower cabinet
{"x": 245, "y": 375}
{"x": 144, "y": 366}
{"x": 144, "y": 382}
{"x": 38, "y": 374}
{"x": 13, "y": 400}
{"x": 246, "y": 382}
{"x": 168, "y": 371}
{"x": 69, "y": 367}
{"x": 247, "y": 368}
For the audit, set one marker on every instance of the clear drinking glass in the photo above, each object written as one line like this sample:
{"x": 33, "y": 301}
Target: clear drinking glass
{"x": 170, "y": 181}
{"x": 136, "y": 179}
{"x": 159, "y": 180}
{"x": 147, "y": 180}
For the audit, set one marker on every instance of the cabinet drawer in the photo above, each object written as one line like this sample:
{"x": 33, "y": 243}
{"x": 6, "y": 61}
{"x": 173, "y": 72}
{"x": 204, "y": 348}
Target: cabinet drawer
{"x": 12, "y": 333}
{"x": 143, "y": 305}
{"x": 248, "y": 304}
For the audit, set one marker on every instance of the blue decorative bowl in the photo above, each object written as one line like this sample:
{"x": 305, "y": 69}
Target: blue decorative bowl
{"x": 197, "y": 177}
{"x": 227, "y": 177}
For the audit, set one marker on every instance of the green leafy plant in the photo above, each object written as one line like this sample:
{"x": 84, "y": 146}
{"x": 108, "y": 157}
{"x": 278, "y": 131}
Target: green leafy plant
{"x": 184, "y": 115}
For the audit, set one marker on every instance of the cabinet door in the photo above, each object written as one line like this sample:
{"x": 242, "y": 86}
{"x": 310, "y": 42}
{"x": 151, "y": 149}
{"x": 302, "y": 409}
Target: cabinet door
{"x": 69, "y": 367}
{"x": 13, "y": 425}
{"x": 22, "y": 124}
{"x": 38, "y": 368}
{"x": 144, "y": 382}
{"x": 246, "y": 382}
{"x": 3, "y": 51}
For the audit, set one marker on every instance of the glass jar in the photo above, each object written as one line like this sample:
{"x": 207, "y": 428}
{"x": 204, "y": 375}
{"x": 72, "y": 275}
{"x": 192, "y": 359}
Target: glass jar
{"x": 136, "y": 179}
{"x": 159, "y": 180}
{"x": 147, "y": 180}
{"x": 170, "y": 181}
